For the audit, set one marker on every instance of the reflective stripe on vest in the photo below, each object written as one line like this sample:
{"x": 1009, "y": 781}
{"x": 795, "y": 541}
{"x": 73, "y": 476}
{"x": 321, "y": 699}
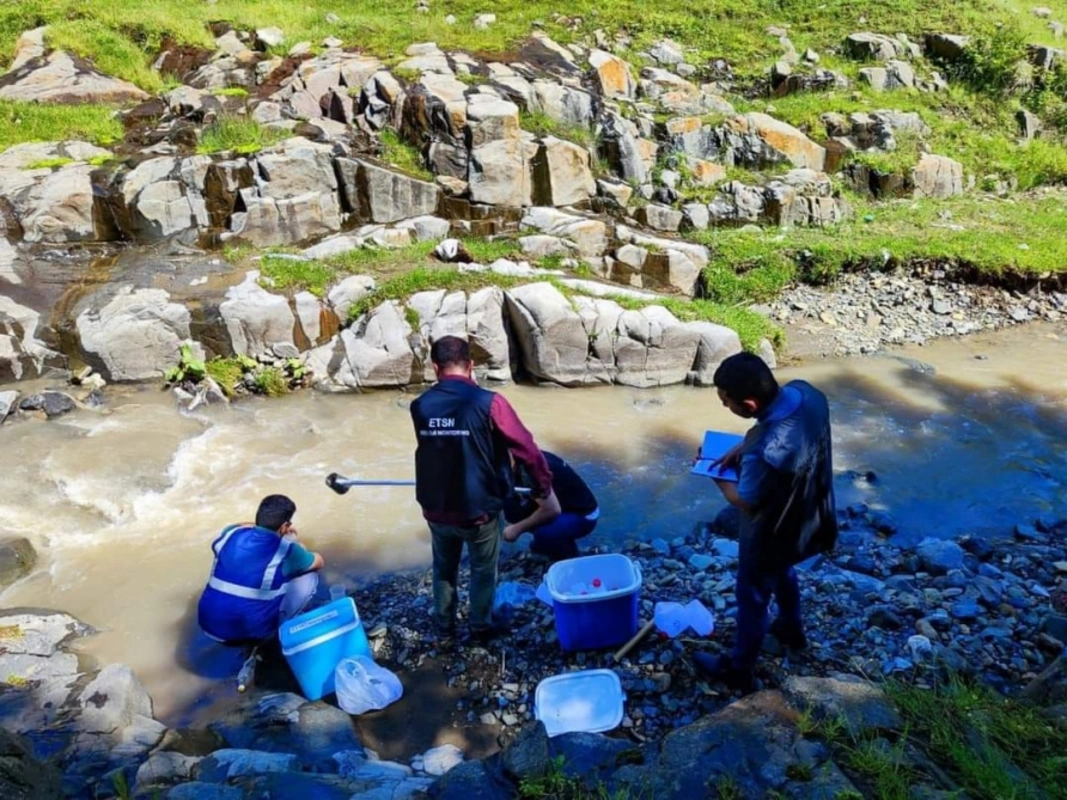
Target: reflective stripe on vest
{"x": 264, "y": 592}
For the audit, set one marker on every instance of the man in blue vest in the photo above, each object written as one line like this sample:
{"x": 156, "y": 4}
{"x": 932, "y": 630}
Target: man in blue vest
{"x": 556, "y": 522}
{"x": 786, "y": 498}
{"x": 462, "y": 478}
{"x": 260, "y": 578}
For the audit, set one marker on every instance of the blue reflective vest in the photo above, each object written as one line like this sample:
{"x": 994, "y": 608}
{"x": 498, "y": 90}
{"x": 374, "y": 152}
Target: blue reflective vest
{"x": 244, "y": 594}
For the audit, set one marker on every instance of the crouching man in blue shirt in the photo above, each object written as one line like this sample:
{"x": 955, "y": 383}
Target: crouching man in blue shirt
{"x": 786, "y": 498}
{"x": 261, "y": 576}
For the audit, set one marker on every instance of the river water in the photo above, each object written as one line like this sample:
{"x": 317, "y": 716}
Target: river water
{"x": 963, "y": 435}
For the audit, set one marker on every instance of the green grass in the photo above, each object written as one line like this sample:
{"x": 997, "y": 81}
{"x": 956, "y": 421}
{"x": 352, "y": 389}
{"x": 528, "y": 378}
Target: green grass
{"x": 427, "y": 278}
{"x": 228, "y": 372}
{"x": 540, "y": 124}
{"x": 293, "y": 274}
{"x": 555, "y": 784}
{"x": 29, "y": 122}
{"x": 272, "y": 382}
{"x": 755, "y": 266}
{"x": 124, "y": 36}
{"x": 403, "y": 156}
{"x": 231, "y": 91}
{"x": 237, "y": 135}
{"x": 49, "y": 163}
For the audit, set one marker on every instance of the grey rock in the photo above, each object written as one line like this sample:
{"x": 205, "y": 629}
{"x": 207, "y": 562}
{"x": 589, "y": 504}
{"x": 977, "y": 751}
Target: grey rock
{"x": 873, "y": 47}
{"x": 380, "y": 195}
{"x": 937, "y": 177}
{"x": 562, "y": 173}
{"x": 23, "y": 777}
{"x": 862, "y": 705}
{"x": 439, "y": 760}
{"x": 660, "y": 218}
{"x": 256, "y": 319}
{"x": 228, "y": 764}
{"x": 17, "y": 559}
{"x": 137, "y": 334}
{"x": 939, "y": 556}
{"x": 62, "y": 78}
{"x": 471, "y": 780}
{"x": 165, "y": 768}
{"x": 529, "y": 755}
{"x": 667, "y": 52}
{"x": 112, "y": 701}
{"x": 8, "y": 402}
{"x": 53, "y": 404}
{"x": 288, "y": 724}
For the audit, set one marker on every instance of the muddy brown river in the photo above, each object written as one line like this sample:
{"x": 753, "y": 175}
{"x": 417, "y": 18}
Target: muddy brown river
{"x": 962, "y": 435}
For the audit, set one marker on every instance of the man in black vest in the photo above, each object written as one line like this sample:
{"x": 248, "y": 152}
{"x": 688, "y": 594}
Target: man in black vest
{"x": 462, "y": 478}
{"x": 557, "y": 526}
{"x": 786, "y": 498}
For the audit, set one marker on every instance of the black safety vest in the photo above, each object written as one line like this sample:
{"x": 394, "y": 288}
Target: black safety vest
{"x": 460, "y": 466}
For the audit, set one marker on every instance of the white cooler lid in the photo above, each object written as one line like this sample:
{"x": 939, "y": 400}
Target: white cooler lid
{"x": 589, "y": 701}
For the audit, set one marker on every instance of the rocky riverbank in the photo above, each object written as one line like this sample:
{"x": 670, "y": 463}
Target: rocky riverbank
{"x": 885, "y": 606}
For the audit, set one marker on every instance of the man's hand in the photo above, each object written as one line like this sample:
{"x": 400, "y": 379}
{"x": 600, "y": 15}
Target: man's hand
{"x": 731, "y": 459}
{"x": 512, "y": 533}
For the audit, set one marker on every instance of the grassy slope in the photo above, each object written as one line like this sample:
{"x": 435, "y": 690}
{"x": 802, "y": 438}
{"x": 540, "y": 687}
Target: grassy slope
{"x": 966, "y": 123}
{"x": 122, "y": 35}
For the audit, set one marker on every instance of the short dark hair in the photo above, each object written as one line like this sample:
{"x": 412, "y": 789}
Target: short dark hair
{"x": 274, "y": 511}
{"x": 450, "y": 350}
{"x": 746, "y": 376}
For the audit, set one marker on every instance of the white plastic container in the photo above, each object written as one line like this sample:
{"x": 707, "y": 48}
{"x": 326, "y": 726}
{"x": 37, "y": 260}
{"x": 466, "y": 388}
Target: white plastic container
{"x": 590, "y": 701}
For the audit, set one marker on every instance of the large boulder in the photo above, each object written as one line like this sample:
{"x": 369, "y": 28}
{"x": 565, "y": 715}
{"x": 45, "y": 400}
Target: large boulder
{"x": 567, "y": 105}
{"x": 801, "y": 197}
{"x": 256, "y": 319}
{"x": 63, "y": 78}
{"x": 630, "y": 155}
{"x": 757, "y": 139}
{"x": 611, "y": 75}
{"x": 500, "y": 172}
{"x": 376, "y": 194}
{"x": 162, "y": 196}
{"x": 937, "y": 177}
{"x": 875, "y": 47}
{"x": 52, "y": 205}
{"x": 561, "y": 173}
{"x": 137, "y": 335}
{"x": 588, "y": 235}
{"x": 656, "y": 261}
{"x": 478, "y": 318}
{"x": 374, "y": 352}
{"x": 552, "y": 337}
{"x": 717, "y": 343}
{"x": 295, "y": 198}
{"x": 643, "y": 348}
{"x": 22, "y": 353}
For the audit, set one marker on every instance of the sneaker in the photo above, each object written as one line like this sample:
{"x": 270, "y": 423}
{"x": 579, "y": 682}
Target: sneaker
{"x": 720, "y": 669}
{"x": 792, "y": 638}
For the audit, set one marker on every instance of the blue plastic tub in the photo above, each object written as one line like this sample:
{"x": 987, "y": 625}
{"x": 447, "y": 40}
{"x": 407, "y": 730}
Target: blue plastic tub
{"x": 595, "y": 600}
{"x": 315, "y": 642}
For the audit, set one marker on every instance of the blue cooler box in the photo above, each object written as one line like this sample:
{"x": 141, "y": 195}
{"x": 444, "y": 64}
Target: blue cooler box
{"x": 590, "y": 616}
{"x": 314, "y": 644}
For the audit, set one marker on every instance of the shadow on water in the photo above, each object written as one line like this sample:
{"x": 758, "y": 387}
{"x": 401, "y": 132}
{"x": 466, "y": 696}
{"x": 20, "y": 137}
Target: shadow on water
{"x": 948, "y": 459}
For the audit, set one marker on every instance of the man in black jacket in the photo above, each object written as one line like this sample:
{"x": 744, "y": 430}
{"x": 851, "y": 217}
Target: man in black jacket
{"x": 463, "y": 476}
{"x": 556, "y": 526}
{"x": 786, "y": 498}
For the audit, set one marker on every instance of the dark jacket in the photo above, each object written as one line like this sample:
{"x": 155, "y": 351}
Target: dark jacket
{"x": 795, "y": 516}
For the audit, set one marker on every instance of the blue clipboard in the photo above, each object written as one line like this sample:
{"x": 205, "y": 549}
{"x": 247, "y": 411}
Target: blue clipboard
{"x": 716, "y": 444}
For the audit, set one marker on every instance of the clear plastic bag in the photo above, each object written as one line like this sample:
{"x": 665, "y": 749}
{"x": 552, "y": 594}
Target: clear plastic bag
{"x": 363, "y": 686}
